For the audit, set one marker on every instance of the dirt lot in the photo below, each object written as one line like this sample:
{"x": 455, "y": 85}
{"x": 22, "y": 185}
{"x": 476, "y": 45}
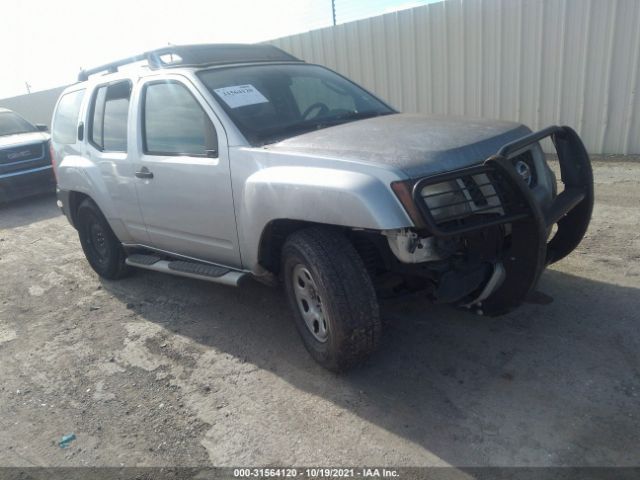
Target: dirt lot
{"x": 156, "y": 370}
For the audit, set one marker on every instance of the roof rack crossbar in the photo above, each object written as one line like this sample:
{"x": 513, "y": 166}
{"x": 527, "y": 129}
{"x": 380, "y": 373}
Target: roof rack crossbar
{"x": 197, "y": 55}
{"x": 109, "y": 67}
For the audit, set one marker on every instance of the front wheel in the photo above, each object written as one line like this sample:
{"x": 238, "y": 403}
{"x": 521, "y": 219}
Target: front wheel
{"x": 102, "y": 248}
{"x": 332, "y": 298}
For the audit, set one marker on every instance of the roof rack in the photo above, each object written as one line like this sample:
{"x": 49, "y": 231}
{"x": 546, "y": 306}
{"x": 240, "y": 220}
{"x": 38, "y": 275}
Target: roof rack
{"x": 175, "y": 56}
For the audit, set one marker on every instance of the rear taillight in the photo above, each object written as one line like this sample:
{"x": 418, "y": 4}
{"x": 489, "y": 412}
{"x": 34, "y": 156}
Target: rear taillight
{"x": 53, "y": 161}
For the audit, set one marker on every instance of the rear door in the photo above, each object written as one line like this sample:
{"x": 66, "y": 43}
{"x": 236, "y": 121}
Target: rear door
{"x": 109, "y": 148}
{"x": 183, "y": 173}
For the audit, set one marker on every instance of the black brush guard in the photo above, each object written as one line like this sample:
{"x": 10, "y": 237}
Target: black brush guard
{"x": 529, "y": 251}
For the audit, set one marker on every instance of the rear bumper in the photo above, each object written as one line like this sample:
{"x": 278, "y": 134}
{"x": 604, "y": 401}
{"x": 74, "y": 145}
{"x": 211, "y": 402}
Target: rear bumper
{"x": 530, "y": 249}
{"x": 63, "y": 202}
{"x": 22, "y": 184}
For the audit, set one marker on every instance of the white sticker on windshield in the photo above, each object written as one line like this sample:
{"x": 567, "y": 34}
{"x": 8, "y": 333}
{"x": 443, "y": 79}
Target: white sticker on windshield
{"x": 240, "y": 95}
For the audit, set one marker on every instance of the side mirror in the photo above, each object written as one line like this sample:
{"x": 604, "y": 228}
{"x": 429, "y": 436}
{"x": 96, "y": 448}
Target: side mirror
{"x": 41, "y": 127}
{"x": 212, "y": 152}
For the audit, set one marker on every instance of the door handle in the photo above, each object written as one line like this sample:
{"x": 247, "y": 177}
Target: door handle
{"x": 144, "y": 173}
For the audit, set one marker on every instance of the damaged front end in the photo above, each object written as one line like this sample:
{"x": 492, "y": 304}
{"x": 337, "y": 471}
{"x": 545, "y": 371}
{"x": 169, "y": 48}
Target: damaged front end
{"x": 484, "y": 234}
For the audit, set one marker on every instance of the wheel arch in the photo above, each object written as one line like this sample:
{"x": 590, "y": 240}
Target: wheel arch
{"x": 75, "y": 199}
{"x": 275, "y": 234}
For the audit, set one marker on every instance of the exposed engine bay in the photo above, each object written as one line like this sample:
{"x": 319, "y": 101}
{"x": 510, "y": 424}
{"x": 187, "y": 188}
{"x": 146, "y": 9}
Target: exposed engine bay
{"x": 465, "y": 269}
{"x": 482, "y": 235}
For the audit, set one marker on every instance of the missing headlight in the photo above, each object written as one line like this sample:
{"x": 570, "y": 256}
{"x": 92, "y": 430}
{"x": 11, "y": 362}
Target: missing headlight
{"x": 461, "y": 197}
{"x": 446, "y": 199}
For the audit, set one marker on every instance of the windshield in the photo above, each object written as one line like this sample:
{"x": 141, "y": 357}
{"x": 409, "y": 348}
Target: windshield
{"x": 12, "y": 123}
{"x": 269, "y": 103}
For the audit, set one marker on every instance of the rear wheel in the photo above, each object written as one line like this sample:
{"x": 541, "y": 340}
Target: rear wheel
{"x": 332, "y": 298}
{"x": 103, "y": 250}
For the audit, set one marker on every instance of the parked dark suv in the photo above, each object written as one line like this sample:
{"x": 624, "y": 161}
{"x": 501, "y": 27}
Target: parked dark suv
{"x": 25, "y": 160}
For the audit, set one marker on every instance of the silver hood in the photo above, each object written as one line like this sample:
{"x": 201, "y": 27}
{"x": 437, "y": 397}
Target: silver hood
{"x": 416, "y": 144}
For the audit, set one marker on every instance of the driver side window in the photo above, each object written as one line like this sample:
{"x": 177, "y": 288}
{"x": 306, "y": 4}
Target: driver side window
{"x": 307, "y": 91}
{"x": 174, "y": 123}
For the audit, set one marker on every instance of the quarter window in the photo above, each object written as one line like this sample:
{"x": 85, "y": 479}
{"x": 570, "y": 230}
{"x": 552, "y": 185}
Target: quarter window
{"x": 65, "y": 122}
{"x": 175, "y": 124}
{"x": 109, "y": 115}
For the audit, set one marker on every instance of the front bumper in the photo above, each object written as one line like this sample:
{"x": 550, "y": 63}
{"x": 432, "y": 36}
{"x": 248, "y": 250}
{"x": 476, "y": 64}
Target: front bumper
{"x": 530, "y": 249}
{"x": 22, "y": 184}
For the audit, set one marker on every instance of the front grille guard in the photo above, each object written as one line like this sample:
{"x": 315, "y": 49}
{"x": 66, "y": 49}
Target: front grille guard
{"x": 503, "y": 182}
{"x": 491, "y": 198}
{"x": 530, "y": 250}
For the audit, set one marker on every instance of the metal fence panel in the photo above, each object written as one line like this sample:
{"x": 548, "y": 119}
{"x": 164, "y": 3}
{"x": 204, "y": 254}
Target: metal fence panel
{"x": 540, "y": 62}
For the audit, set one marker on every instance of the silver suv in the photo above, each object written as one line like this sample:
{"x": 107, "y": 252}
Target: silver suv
{"x": 224, "y": 162}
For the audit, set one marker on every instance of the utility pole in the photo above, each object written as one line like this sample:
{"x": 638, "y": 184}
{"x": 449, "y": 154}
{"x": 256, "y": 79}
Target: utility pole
{"x": 333, "y": 11}
{"x": 26, "y": 84}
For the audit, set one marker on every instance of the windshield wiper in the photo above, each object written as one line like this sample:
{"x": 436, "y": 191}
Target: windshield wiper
{"x": 349, "y": 117}
{"x": 292, "y": 130}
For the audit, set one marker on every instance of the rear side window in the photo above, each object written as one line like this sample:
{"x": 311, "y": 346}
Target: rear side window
{"x": 109, "y": 115}
{"x": 175, "y": 123}
{"x": 65, "y": 121}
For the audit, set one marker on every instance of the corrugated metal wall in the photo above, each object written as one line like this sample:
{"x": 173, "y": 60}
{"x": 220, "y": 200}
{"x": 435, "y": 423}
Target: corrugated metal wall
{"x": 540, "y": 62}
{"x": 36, "y": 107}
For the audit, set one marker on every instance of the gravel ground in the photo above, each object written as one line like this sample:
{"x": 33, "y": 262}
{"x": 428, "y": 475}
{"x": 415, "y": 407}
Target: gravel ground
{"x": 158, "y": 370}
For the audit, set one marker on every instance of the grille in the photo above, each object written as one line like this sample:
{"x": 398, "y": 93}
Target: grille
{"x": 474, "y": 190}
{"x": 24, "y": 153}
{"x": 468, "y": 200}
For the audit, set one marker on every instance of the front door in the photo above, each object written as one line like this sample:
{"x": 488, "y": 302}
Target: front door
{"x": 183, "y": 176}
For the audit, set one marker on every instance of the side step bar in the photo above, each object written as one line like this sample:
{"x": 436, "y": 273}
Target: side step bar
{"x": 199, "y": 271}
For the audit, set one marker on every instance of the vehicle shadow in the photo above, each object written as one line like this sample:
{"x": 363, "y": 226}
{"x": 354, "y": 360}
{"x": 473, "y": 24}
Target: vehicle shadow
{"x": 552, "y": 384}
{"x": 28, "y": 210}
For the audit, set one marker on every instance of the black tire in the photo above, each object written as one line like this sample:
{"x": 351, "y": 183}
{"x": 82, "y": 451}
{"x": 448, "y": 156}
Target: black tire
{"x": 349, "y": 307}
{"x": 102, "y": 248}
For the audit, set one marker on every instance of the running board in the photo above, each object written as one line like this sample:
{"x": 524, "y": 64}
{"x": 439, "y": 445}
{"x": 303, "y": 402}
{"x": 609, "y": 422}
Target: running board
{"x": 199, "y": 271}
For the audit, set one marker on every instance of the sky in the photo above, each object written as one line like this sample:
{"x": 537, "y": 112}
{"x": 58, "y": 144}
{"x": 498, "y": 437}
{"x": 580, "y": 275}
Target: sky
{"x": 46, "y": 42}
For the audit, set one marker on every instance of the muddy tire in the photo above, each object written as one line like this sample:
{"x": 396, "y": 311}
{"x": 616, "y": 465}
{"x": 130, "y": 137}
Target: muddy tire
{"x": 332, "y": 297}
{"x": 103, "y": 250}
